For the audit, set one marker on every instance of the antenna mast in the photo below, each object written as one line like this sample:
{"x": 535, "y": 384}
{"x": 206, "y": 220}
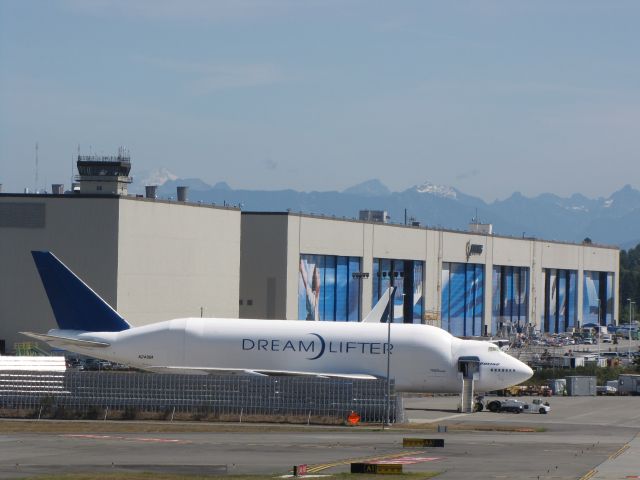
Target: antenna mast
{"x": 72, "y": 163}
{"x": 35, "y": 186}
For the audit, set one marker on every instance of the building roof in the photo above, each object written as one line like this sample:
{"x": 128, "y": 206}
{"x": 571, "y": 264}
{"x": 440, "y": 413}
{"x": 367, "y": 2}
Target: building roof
{"x": 424, "y": 227}
{"x": 110, "y": 196}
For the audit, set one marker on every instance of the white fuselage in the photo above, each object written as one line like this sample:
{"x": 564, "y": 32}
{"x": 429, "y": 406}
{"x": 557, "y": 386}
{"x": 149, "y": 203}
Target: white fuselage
{"x": 421, "y": 358}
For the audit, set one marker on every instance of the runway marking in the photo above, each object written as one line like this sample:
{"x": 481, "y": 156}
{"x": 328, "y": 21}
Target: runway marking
{"x": 135, "y": 439}
{"x": 306, "y": 476}
{"x": 578, "y": 415}
{"x": 434, "y": 420}
{"x": 407, "y": 460}
{"x": 620, "y": 451}
{"x": 589, "y": 474}
{"x": 390, "y": 458}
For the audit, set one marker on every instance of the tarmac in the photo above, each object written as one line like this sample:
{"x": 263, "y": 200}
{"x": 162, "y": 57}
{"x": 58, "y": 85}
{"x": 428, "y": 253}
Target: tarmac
{"x": 625, "y": 463}
{"x": 580, "y": 427}
{"x": 582, "y": 438}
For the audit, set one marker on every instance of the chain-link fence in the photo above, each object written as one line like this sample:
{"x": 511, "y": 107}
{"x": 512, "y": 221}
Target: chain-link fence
{"x": 205, "y": 396}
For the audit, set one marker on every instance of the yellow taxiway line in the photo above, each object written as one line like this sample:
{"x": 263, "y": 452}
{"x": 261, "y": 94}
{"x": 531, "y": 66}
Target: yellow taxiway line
{"x": 324, "y": 466}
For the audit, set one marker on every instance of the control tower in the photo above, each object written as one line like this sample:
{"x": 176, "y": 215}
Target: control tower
{"x": 104, "y": 175}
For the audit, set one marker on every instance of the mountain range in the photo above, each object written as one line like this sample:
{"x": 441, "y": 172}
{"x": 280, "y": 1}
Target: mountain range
{"x": 614, "y": 220}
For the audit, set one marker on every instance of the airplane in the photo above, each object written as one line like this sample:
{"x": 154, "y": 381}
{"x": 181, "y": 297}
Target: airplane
{"x": 422, "y": 358}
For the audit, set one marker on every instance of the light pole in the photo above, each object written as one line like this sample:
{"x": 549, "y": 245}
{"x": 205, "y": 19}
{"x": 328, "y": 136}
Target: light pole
{"x": 630, "y": 320}
{"x": 389, "y": 357}
{"x": 360, "y": 276}
{"x": 390, "y": 316}
{"x": 598, "y": 337}
{"x": 633, "y": 307}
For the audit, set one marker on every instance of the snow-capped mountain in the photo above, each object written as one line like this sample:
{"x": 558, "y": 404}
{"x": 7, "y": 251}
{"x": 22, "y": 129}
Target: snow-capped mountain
{"x": 166, "y": 182}
{"x": 155, "y": 177}
{"x": 438, "y": 190}
{"x": 613, "y": 220}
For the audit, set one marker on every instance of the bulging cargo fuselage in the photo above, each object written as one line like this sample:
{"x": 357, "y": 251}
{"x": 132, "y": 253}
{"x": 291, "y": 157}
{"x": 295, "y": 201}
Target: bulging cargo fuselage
{"x": 421, "y": 358}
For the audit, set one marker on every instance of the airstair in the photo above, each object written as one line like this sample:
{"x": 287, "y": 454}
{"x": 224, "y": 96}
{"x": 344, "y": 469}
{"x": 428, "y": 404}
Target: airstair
{"x": 468, "y": 371}
{"x": 467, "y": 395}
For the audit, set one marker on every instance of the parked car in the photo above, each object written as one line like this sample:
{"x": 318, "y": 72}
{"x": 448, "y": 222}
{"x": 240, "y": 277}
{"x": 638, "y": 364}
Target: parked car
{"x": 606, "y": 390}
{"x": 89, "y": 364}
{"x": 609, "y": 354}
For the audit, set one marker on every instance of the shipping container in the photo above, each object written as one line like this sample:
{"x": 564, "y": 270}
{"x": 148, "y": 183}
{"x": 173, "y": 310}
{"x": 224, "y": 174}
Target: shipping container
{"x": 558, "y": 386}
{"x": 629, "y": 384}
{"x": 581, "y": 386}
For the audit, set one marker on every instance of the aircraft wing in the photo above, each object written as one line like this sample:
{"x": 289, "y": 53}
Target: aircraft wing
{"x": 61, "y": 341}
{"x": 261, "y": 373}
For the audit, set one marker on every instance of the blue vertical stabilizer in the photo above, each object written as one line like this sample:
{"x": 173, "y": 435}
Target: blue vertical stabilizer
{"x": 74, "y": 304}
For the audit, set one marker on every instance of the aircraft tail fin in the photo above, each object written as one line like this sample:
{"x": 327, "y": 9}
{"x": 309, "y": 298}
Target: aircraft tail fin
{"x": 378, "y": 311}
{"x": 75, "y": 305}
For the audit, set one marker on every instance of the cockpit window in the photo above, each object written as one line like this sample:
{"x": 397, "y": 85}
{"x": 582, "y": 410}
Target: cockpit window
{"x": 494, "y": 349}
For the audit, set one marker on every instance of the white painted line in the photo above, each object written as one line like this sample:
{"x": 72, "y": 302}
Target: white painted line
{"x": 419, "y": 420}
{"x": 305, "y": 476}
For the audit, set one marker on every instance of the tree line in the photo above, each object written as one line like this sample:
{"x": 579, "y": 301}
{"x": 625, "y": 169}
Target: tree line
{"x": 629, "y": 283}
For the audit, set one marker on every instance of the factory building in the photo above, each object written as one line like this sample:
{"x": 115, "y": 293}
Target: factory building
{"x": 151, "y": 260}
{"x": 297, "y": 266}
{"x": 155, "y": 260}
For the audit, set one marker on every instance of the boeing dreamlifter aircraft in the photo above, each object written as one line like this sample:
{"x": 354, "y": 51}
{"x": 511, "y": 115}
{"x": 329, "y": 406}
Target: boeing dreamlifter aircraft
{"x": 422, "y": 358}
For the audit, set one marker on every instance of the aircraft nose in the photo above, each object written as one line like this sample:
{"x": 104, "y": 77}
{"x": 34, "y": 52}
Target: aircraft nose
{"x": 523, "y": 371}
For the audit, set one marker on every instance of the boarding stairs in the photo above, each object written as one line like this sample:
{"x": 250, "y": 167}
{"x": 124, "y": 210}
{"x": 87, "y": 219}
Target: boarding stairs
{"x": 468, "y": 371}
{"x": 467, "y": 395}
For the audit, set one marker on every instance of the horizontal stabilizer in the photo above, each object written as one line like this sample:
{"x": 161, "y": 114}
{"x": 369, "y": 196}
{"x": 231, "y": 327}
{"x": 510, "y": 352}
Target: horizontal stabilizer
{"x": 265, "y": 373}
{"x": 61, "y": 341}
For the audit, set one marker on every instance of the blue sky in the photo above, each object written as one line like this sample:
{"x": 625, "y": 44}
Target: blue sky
{"x": 490, "y": 97}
